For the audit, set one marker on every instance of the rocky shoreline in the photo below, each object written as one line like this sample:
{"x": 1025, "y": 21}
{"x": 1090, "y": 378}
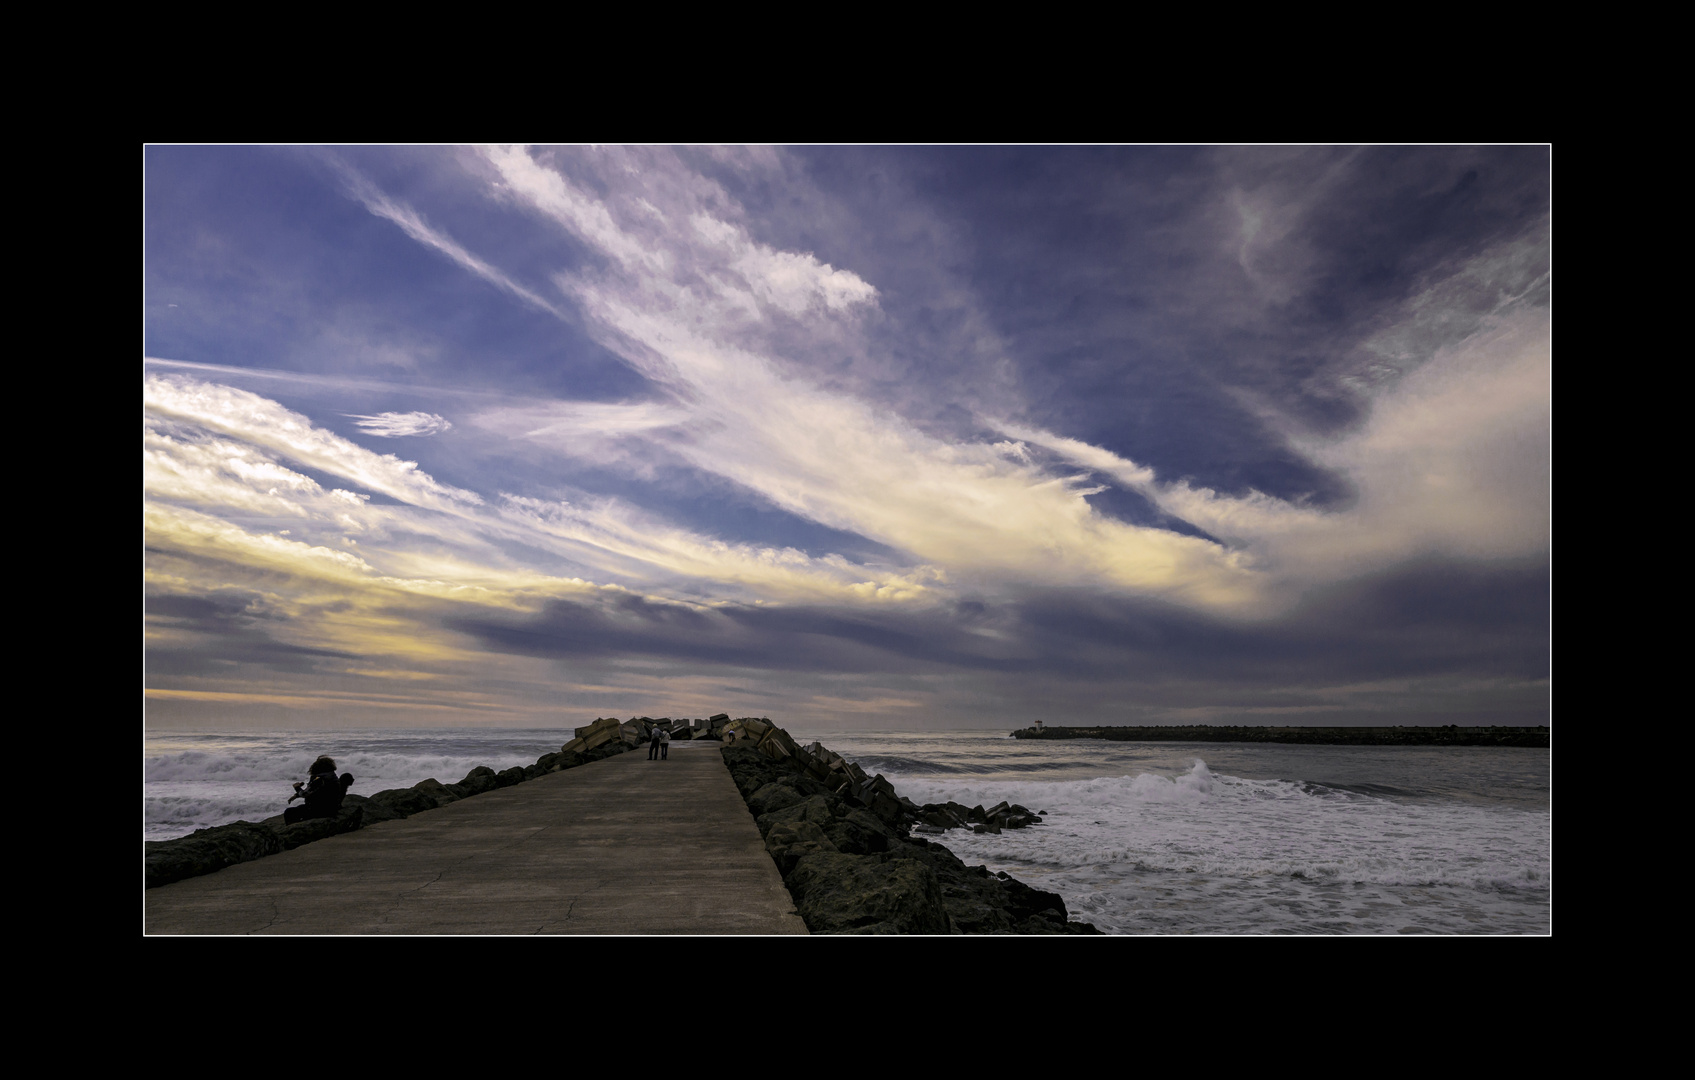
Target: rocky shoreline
{"x": 1452, "y": 735}
{"x": 205, "y": 851}
{"x": 841, "y": 840}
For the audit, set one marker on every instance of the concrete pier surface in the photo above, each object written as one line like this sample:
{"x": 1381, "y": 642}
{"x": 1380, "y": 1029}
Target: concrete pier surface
{"x": 620, "y": 846}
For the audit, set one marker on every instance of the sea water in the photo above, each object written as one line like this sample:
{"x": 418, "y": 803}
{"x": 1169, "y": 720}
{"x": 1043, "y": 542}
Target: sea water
{"x": 1230, "y": 838}
{"x": 192, "y": 780}
{"x": 1139, "y": 838}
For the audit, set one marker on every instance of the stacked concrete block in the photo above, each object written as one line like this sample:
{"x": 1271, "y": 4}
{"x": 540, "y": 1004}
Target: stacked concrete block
{"x": 594, "y": 736}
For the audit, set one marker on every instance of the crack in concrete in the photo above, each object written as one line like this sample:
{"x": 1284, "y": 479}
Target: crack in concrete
{"x": 542, "y": 929}
{"x": 518, "y": 839}
{"x": 430, "y": 882}
{"x": 276, "y": 913}
{"x": 391, "y": 909}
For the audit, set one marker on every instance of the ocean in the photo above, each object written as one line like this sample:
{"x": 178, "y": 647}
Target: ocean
{"x": 1140, "y": 838}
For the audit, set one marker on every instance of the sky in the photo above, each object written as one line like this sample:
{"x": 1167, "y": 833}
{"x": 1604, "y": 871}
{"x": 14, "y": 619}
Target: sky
{"x": 871, "y": 438}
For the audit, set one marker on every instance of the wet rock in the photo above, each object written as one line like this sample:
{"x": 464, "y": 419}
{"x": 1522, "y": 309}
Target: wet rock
{"x": 206, "y": 850}
{"x": 860, "y": 833}
{"x": 874, "y": 876}
{"x": 790, "y": 841}
{"x": 370, "y": 810}
{"x": 477, "y": 781}
{"x": 347, "y": 819}
{"x": 773, "y": 796}
{"x": 815, "y": 811}
{"x": 836, "y": 893}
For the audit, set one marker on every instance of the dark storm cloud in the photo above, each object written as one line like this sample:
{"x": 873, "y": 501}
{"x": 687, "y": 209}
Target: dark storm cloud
{"x": 787, "y": 639}
{"x": 1432, "y": 620}
{"x": 208, "y": 634}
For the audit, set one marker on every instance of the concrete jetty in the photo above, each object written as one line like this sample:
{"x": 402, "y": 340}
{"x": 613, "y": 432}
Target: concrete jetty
{"x": 620, "y": 846}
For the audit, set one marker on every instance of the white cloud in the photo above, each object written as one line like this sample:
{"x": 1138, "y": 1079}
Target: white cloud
{"x": 681, "y": 298}
{"x": 1453, "y": 460}
{"x": 216, "y": 449}
{"x": 413, "y": 224}
{"x": 824, "y": 455}
{"x": 576, "y": 210}
{"x": 220, "y": 473}
{"x": 395, "y": 425}
{"x": 742, "y": 571}
{"x": 1014, "y": 450}
{"x": 661, "y": 227}
{"x": 263, "y": 423}
{"x": 564, "y": 422}
{"x": 786, "y": 280}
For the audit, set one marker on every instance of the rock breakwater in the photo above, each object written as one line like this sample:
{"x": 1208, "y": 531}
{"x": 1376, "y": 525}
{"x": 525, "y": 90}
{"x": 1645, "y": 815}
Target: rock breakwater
{"x": 843, "y": 843}
{"x": 207, "y": 850}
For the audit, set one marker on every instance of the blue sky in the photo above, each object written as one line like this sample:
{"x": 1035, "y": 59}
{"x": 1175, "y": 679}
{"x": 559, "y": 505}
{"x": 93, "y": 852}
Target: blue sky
{"x": 858, "y": 437}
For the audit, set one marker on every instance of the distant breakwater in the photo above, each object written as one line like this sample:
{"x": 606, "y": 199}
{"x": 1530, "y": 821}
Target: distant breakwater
{"x": 1452, "y": 735}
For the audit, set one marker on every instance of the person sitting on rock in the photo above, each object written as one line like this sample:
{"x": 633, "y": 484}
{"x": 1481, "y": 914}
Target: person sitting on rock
{"x": 322, "y": 791}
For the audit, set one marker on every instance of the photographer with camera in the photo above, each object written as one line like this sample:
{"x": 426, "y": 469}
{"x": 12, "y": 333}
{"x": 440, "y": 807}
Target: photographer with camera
{"x": 322, "y": 790}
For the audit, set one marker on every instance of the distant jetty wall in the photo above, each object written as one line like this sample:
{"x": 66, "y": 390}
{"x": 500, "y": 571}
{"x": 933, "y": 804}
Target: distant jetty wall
{"x": 1452, "y": 735}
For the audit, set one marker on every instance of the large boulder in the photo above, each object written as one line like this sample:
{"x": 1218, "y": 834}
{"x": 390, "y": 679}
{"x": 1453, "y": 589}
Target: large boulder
{"x": 790, "y": 841}
{"x": 206, "y": 850}
{"x": 860, "y": 833}
{"x": 851, "y": 866}
{"x": 605, "y": 730}
{"x": 478, "y": 780}
{"x": 349, "y": 817}
{"x": 370, "y": 810}
{"x": 424, "y": 795}
{"x": 836, "y": 894}
{"x": 816, "y": 811}
{"x": 773, "y": 796}
{"x": 435, "y": 789}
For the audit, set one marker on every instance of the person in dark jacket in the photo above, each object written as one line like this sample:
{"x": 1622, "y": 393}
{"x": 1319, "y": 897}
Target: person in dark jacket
{"x": 323, "y": 792}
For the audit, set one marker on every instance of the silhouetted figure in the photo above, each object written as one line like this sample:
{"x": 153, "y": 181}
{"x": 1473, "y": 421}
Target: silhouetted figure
{"x": 653, "y": 743}
{"x": 322, "y": 791}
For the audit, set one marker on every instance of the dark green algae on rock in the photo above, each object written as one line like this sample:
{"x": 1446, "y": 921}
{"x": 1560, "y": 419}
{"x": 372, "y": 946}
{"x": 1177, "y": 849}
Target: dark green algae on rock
{"x": 852, "y": 866}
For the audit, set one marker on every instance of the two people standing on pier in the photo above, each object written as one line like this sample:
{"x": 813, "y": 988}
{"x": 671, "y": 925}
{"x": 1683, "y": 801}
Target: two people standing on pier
{"x": 660, "y": 747}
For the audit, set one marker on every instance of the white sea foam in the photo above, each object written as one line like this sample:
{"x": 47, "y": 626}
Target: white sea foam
{"x": 193, "y": 781}
{"x": 1198, "y": 851}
